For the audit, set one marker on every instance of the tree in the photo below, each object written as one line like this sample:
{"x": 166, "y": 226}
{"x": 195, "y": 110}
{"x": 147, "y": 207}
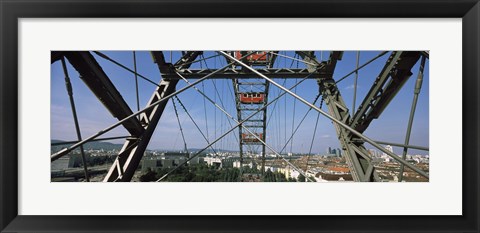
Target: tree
{"x": 148, "y": 176}
{"x": 301, "y": 178}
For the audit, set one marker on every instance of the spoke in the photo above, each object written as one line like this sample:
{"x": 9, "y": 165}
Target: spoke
{"x": 205, "y": 106}
{"x": 200, "y": 60}
{"x": 313, "y": 137}
{"x": 403, "y": 145}
{"x": 294, "y": 59}
{"x": 230, "y": 130}
{"x": 102, "y": 55}
{"x": 367, "y": 139}
{"x": 98, "y": 139}
{"x": 136, "y": 79}
{"x": 355, "y": 83}
{"x": 180, "y": 125}
{"x": 359, "y": 68}
{"x": 416, "y": 92}
{"x": 220, "y": 98}
{"x": 67, "y": 150}
{"x": 299, "y": 124}
{"x": 293, "y": 120}
{"x": 68, "y": 84}
{"x": 195, "y": 123}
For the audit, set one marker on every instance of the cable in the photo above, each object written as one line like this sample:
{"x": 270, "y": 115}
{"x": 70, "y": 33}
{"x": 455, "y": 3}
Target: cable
{"x": 293, "y": 117}
{"x": 355, "y": 83}
{"x": 205, "y": 105}
{"x": 65, "y": 151}
{"x": 136, "y": 80}
{"x": 215, "y": 97}
{"x": 195, "y": 123}
{"x": 359, "y": 68}
{"x": 313, "y": 137}
{"x": 180, "y": 126}
{"x": 300, "y": 123}
{"x": 69, "y": 87}
{"x": 124, "y": 67}
{"x": 223, "y": 135}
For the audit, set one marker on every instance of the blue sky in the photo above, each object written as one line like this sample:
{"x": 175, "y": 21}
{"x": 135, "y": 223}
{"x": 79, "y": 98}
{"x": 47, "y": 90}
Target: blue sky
{"x": 93, "y": 117}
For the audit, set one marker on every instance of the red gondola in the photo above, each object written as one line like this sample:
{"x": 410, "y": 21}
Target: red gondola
{"x": 250, "y": 138}
{"x": 260, "y": 57}
{"x": 251, "y": 98}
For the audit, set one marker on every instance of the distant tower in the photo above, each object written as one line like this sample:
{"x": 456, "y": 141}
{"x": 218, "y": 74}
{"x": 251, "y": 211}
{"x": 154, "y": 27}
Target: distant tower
{"x": 389, "y": 148}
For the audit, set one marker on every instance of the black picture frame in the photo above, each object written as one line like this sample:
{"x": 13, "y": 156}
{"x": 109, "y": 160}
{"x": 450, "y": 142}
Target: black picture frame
{"x": 11, "y": 11}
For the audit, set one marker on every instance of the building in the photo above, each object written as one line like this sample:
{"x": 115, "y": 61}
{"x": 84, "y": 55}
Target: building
{"x": 338, "y": 152}
{"x": 236, "y": 164}
{"x": 389, "y": 148}
{"x": 155, "y": 164}
{"x": 213, "y": 161}
{"x": 151, "y": 164}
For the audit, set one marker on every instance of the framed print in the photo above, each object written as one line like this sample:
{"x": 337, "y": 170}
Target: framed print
{"x": 381, "y": 136}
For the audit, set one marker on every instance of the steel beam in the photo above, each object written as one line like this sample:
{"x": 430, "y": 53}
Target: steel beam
{"x": 65, "y": 151}
{"x": 133, "y": 150}
{"x": 68, "y": 84}
{"x": 293, "y": 58}
{"x": 337, "y": 121}
{"x": 403, "y": 145}
{"x": 353, "y": 149}
{"x": 239, "y": 124}
{"x": 393, "y": 76}
{"x": 264, "y": 135}
{"x": 163, "y": 66}
{"x": 261, "y": 121}
{"x": 416, "y": 92}
{"x": 186, "y": 60}
{"x": 55, "y": 56}
{"x": 239, "y": 116}
{"x": 246, "y": 74}
{"x": 94, "y": 140}
{"x": 95, "y": 78}
{"x": 309, "y": 59}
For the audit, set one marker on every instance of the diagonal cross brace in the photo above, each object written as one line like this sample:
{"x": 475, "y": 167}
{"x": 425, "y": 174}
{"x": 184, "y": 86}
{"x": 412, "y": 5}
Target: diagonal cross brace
{"x": 132, "y": 151}
{"x": 393, "y": 76}
{"x": 134, "y": 148}
{"x": 95, "y": 78}
{"x": 353, "y": 149}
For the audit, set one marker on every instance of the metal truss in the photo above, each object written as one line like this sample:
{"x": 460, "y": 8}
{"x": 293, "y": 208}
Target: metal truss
{"x": 99, "y": 83}
{"x": 354, "y": 152}
{"x": 392, "y": 77}
{"x": 133, "y": 149}
{"x": 363, "y": 170}
{"x": 395, "y": 73}
{"x": 258, "y": 125}
{"x": 240, "y": 124}
{"x": 251, "y": 115}
{"x": 232, "y": 73}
